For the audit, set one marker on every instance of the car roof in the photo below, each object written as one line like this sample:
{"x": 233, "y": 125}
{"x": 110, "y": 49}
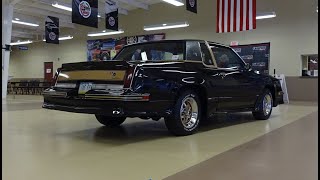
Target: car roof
{"x": 178, "y": 40}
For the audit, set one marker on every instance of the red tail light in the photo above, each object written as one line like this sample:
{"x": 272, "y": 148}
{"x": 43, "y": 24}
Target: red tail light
{"x": 128, "y": 77}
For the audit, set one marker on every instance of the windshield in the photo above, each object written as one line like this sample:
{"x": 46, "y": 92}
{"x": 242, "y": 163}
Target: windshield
{"x": 152, "y": 51}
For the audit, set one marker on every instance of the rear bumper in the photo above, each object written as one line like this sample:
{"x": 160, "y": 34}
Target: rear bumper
{"x": 129, "y": 105}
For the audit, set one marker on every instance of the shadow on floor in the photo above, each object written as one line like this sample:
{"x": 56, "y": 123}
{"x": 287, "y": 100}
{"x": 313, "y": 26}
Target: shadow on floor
{"x": 135, "y": 132}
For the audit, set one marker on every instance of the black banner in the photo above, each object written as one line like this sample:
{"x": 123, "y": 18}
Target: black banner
{"x": 257, "y": 55}
{"x": 85, "y": 12}
{"x": 192, "y": 5}
{"x": 111, "y": 15}
{"x": 52, "y": 30}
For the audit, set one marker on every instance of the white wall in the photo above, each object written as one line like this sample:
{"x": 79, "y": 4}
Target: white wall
{"x": 292, "y": 33}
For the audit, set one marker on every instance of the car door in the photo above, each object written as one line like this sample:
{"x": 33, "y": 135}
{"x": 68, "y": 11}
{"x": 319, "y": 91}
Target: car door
{"x": 234, "y": 85}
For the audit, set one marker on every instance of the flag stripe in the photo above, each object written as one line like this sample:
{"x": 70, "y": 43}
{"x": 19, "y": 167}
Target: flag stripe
{"x": 244, "y": 15}
{"x": 254, "y": 6}
{"x": 235, "y": 16}
{"x": 241, "y": 15}
{"x": 238, "y": 15}
{"x": 218, "y": 16}
{"x": 226, "y": 16}
{"x": 229, "y": 14}
{"x": 247, "y": 18}
{"x": 223, "y": 16}
{"x": 250, "y": 15}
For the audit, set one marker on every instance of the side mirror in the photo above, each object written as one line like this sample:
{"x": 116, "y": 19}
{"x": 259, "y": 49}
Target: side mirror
{"x": 247, "y": 67}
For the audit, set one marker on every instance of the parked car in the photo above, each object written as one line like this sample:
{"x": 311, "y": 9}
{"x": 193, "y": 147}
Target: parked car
{"x": 193, "y": 80}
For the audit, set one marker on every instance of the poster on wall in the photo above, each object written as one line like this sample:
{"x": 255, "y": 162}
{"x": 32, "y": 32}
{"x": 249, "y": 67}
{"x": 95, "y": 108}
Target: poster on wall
{"x": 257, "y": 55}
{"x": 106, "y": 49}
{"x": 111, "y": 15}
{"x": 52, "y": 30}
{"x": 85, "y": 12}
{"x": 192, "y": 6}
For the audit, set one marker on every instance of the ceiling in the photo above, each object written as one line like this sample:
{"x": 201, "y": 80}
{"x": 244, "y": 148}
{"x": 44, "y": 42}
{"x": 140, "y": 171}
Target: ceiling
{"x": 35, "y": 11}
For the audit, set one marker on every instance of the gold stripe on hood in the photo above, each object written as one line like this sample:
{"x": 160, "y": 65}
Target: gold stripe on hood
{"x": 92, "y": 75}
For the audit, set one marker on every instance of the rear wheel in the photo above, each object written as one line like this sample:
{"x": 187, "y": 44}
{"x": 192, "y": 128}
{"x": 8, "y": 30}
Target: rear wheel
{"x": 110, "y": 121}
{"x": 265, "y": 104}
{"x": 186, "y": 115}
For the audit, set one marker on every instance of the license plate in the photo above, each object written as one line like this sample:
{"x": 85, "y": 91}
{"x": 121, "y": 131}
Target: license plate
{"x": 85, "y": 87}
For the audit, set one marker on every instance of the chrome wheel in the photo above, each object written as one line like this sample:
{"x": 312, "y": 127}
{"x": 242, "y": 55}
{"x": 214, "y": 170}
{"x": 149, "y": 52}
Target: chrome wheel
{"x": 189, "y": 112}
{"x": 267, "y": 104}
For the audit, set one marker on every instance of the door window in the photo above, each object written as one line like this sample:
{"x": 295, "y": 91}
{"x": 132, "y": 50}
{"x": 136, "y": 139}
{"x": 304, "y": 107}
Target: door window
{"x": 226, "y": 58}
{"x": 193, "y": 51}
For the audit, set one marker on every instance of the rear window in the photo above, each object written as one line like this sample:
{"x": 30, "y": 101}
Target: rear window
{"x": 152, "y": 52}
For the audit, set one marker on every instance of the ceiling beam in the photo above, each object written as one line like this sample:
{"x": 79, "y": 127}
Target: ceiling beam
{"x": 27, "y": 36}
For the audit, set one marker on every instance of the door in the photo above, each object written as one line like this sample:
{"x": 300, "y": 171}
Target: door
{"x": 48, "y": 71}
{"x": 234, "y": 87}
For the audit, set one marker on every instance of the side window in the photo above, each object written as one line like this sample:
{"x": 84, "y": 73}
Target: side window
{"x": 206, "y": 56}
{"x": 226, "y": 58}
{"x": 193, "y": 51}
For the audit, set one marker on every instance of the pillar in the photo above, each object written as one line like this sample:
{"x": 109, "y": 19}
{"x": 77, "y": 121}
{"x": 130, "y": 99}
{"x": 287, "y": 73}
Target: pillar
{"x": 7, "y": 13}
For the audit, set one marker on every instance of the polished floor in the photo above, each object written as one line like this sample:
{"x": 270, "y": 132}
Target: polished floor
{"x": 41, "y": 144}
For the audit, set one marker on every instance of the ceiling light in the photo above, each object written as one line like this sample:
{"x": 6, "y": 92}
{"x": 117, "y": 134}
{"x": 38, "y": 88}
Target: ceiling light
{"x": 266, "y": 15}
{"x": 65, "y": 38}
{"x": 62, "y": 38}
{"x": 20, "y": 42}
{"x": 99, "y": 15}
{"x": 25, "y": 23}
{"x": 61, "y": 6}
{"x": 165, "y": 26}
{"x": 105, "y": 33}
{"x": 17, "y": 19}
{"x": 174, "y": 2}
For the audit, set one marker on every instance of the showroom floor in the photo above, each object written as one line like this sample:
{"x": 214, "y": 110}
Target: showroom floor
{"x": 41, "y": 144}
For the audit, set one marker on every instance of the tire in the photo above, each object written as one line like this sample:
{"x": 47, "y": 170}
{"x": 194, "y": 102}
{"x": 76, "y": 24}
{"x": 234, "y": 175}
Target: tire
{"x": 186, "y": 115}
{"x": 110, "y": 121}
{"x": 264, "y": 104}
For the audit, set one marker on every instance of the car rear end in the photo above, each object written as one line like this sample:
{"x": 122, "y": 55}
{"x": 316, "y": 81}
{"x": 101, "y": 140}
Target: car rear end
{"x": 104, "y": 88}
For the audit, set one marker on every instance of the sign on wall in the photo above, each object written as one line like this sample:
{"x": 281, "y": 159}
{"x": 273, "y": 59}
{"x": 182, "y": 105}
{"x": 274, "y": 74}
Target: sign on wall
{"x": 257, "y": 55}
{"x": 192, "y": 6}
{"x": 85, "y": 12}
{"x": 52, "y": 30}
{"x": 106, "y": 49}
{"x": 111, "y": 15}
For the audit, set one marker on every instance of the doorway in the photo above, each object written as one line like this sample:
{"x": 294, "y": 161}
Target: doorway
{"x": 48, "y": 71}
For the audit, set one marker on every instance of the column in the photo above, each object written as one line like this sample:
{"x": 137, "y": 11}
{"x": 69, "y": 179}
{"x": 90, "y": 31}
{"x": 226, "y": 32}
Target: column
{"x": 7, "y": 13}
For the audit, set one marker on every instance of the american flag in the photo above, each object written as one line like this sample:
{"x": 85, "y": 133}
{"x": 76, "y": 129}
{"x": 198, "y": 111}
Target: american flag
{"x": 236, "y": 15}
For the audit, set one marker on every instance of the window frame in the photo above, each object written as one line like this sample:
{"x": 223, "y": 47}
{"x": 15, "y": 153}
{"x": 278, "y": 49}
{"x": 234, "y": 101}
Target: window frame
{"x": 226, "y": 47}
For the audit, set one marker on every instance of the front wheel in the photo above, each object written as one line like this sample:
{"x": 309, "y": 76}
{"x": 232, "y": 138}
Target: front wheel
{"x": 265, "y": 104}
{"x": 110, "y": 121}
{"x": 186, "y": 115}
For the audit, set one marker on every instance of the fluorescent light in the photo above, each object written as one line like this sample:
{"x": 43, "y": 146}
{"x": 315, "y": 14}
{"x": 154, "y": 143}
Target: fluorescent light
{"x": 20, "y": 42}
{"x": 99, "y": 15}
{"x": 17, "y": 19}
{"x": 60, "y": 6}
{"x": 174, "y": 2}
{"x": 165, "y": 26}
{"x": 105, "y": 33}
{"x": 25, "y": 23}
{"x": 65, "y": 38}
{"x": 266, "y": 15}
{"x": 62, "y": 38}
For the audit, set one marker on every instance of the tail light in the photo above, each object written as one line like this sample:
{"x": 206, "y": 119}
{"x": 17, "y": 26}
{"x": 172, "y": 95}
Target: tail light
{"x": 54, "y": 80}
{"x": 128, "y": 77}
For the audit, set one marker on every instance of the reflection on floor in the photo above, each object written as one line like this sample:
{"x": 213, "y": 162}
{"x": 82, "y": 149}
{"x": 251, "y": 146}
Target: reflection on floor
{"x": 43, "y": 144}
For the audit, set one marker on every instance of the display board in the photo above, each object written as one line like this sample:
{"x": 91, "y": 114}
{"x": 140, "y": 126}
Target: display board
{"x": 106, "y": 49}
{"x": 257, "y": 55}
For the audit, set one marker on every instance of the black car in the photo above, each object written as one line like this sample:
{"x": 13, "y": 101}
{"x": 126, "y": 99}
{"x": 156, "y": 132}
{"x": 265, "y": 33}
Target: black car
{"x": 183, "y": 81}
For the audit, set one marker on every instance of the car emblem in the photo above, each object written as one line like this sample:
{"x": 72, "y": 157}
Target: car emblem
{"x": 113, "y": 75}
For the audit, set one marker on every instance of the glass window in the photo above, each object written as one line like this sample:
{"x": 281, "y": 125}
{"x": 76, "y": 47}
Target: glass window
{"x": 206, "y": 56}
{"x": 226, "y": 58}
{"x": 193, "y": 51}
{"x": 152, "y": 51}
